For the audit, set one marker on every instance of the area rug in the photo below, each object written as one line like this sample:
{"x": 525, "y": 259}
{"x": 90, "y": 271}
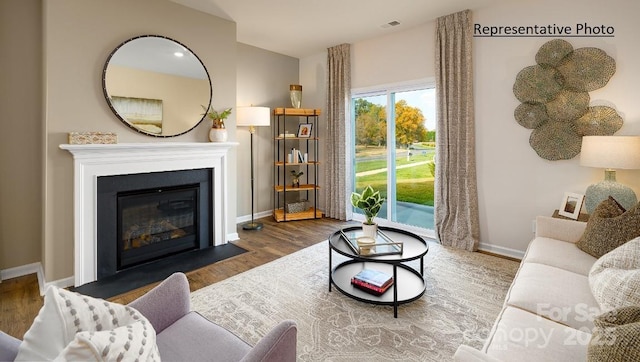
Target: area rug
{"x": 464, "y": 294}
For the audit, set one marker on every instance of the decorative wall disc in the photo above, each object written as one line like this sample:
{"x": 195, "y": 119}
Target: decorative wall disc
{"x": 568, "y": 105}
{"x": 556, "y": 141}
{"x": 555, "y": 99}
{"x": 553, "y": 52}
{"x": 531, "y": 115}
{"x": 587, "y": 69}
{"x": 536, "y": 84}
{"x": 599, "y": 121}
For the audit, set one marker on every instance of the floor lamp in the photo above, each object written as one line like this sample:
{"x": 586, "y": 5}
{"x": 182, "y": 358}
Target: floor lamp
{"x": 253, "y": 117}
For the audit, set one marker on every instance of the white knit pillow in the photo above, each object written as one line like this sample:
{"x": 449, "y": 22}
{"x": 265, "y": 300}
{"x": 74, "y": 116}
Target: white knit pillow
{"x": 127, "y": 343}
{"x": 67, "y": 316}
{"x": 615, "y": 277}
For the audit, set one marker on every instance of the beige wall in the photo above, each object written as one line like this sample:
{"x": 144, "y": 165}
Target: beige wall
{"x": 514, "y": 183}
{"x": 313, "y": 80}
{"x": 263, "y": 80}
{"x": 37, "y": 225}
{"x": 79, "y": 36}
{"x": 182, "y": 97}
{"x": 21, "y": 139}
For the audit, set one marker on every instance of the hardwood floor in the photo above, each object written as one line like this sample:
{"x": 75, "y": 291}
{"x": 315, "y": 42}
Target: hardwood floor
{"x": 20, "y": 298}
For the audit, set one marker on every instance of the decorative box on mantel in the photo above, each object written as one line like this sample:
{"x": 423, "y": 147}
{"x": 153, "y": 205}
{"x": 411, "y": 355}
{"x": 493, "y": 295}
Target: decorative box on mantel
{"x": 94, "y": 160}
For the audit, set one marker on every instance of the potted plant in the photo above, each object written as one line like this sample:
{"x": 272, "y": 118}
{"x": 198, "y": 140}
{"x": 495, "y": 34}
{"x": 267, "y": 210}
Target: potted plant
{"x": 218, "y": 132}
{"x": 370, "y": 202}
{"x": 295, "y": 182}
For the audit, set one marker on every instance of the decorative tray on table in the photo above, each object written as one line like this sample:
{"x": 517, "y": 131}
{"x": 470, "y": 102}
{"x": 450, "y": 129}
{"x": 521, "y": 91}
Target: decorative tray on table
{"x": 367, "y": 246}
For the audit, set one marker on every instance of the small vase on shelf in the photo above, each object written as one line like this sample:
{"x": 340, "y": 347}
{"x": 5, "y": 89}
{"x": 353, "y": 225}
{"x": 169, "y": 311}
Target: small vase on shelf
{"x": 218, "y": 135}
{"x": 370, "y": 230}
{"x": 295, "y": 91}
{"x": 218, "y": 132}
{"x": 295, "y": 178}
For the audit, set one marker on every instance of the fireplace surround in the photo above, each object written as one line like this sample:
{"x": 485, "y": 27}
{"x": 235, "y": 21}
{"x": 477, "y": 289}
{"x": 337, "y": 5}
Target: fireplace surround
{"x": 96, "y": 160}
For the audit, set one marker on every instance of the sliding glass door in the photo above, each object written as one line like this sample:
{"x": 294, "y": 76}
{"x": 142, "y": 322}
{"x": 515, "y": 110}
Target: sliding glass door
{"x": 394, "y": 147}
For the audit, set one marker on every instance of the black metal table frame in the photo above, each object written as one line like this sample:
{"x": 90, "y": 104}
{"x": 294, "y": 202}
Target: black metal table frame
{"x": 399, "y": 262}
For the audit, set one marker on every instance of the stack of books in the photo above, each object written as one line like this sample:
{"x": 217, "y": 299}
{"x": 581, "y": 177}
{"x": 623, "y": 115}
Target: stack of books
{"x": 372, "y": 281}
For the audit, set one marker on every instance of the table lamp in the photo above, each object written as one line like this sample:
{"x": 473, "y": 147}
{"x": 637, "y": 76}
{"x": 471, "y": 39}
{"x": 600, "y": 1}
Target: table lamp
{"x": 610, "y": 153}
{"x": 252, "y": 117}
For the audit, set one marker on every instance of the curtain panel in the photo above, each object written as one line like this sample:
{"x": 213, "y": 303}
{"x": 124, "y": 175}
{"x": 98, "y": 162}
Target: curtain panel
{"x": 336, "y": 171}
{"x": 456, "y": 195}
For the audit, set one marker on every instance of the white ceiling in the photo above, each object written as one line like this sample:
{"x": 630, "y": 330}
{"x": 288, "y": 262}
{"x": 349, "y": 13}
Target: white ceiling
{"x": 300, "y": 28}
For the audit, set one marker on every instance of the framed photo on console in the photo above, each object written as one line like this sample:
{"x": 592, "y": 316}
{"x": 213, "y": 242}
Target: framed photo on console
{"x": 571, "y": 205}
{"x": 304, "y": 130}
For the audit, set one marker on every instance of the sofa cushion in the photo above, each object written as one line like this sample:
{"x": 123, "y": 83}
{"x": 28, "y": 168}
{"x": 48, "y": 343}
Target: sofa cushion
{"x": 554, "y": 293}
{"x": 616, "y": 336}
{"x": 560, "y": 254}
{"x": 176, "y": 341}
{"x": 608, "y": 227}
{"x": 615, "y": 277}
{"x": 65, "y": 314}
{"x": 522, "y": 336}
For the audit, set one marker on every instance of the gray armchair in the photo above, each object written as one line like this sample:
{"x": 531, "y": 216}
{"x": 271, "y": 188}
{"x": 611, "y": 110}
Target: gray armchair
{"x": 183, "y": 335}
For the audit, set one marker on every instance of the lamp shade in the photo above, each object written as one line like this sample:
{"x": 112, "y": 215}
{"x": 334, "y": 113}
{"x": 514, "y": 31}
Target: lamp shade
{"x": 253, "y": 116}
{"x": 613, "y": 152}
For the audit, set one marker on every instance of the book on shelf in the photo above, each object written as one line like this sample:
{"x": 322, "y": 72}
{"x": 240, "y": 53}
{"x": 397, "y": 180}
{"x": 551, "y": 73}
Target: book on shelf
{"x": 369, "y": 287}
{"x": 373, "y": 281}
{"x": 296, "y": 156}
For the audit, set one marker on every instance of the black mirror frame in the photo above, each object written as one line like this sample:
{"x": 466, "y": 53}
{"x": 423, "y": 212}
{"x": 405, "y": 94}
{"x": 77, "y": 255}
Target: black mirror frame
{"x": 107, "y": 97}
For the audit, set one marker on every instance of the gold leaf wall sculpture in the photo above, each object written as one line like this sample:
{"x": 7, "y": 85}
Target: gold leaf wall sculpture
{"x": 555, "y": 99}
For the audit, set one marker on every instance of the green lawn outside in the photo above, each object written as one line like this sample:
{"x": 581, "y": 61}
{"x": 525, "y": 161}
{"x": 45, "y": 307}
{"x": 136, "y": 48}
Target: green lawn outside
{"x": 401, "y": 158}
{"x": 414, "y": 184}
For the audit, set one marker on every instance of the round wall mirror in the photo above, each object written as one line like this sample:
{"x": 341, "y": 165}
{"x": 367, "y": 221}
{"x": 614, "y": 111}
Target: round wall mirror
{"x": 157, "y": 86}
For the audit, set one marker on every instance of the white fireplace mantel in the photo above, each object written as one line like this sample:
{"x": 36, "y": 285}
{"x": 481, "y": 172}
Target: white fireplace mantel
{"x": 95, "y": 160}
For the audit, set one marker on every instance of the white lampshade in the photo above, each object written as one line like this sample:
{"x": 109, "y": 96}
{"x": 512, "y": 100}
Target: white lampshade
{"x": 612, "y": 152}
{"x": 253, "y": 116}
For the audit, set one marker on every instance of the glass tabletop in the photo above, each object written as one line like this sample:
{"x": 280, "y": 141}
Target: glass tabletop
{"x": 413, "y": 246}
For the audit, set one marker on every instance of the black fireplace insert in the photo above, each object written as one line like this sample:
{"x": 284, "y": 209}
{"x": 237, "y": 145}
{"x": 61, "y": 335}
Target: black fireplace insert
{"x": 148, "y": 216}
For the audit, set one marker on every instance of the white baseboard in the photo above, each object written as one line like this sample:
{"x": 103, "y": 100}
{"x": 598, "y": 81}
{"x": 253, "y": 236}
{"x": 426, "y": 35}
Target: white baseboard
{"x": 245, "y": 218}
{"x": 501, "y": 250}
{"x": 20, "y": 271}
{"x": 60, "y": 283}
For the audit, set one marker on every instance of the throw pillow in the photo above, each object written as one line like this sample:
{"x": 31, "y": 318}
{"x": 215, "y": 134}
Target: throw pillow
{"x": 616, "y": 336}
{"x": 608, "y": 227}
{"x": 615, "y": 277}
{"x": 126, "y": 343}
{"x": 65, "y": 314}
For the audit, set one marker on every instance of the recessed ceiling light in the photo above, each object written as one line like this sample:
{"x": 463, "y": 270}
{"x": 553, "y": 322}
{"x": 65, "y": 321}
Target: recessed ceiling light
{"x": 179, "y": 54}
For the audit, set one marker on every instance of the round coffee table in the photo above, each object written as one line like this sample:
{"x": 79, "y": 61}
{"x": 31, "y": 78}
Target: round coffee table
{"x": 408, "y": 282}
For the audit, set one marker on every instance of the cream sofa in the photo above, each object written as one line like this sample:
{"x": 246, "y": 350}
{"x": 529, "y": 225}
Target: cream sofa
{"x": 549, "y": 310}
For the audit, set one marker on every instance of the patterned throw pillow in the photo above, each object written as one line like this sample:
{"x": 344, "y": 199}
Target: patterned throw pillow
{"x": 616, "y": 336}
{"x": 126, "y": 343}
{"x": 609, "y": 226}
{"x": 93, "y": 325}
{"x": 615, "y": 277}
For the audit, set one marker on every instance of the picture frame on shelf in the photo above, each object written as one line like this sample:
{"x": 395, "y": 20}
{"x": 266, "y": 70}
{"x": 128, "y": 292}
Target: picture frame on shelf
{"x": 571, "y": 205}
{"x": 304, "y": 130}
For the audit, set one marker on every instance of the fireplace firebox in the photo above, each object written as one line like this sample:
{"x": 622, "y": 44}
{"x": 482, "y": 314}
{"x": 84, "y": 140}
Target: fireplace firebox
{"x": 146, "y": 217}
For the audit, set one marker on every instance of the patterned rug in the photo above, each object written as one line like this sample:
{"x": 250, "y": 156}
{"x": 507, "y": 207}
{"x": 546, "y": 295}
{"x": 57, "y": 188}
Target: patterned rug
{"x": 464, "y": 294}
